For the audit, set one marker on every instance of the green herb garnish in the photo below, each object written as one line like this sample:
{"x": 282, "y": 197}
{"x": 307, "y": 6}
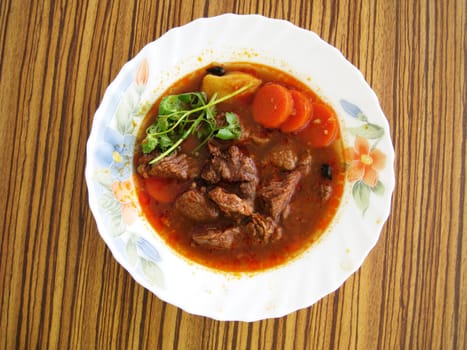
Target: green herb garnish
{"x": 180, "y": 116}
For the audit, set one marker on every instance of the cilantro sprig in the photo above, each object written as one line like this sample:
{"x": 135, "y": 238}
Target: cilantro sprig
{"x": 182, "y": 115}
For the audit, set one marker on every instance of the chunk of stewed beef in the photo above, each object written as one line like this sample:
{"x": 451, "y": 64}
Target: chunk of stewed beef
{"x": 247, "y": 190}
{"x": 304, "y": 163}
{"x": 282, "y": 156}
{"x": 177, "y": 166}
{"x": 217, "y": 238}
{"x": 231, "y": 204}
{"x": 263, "y": 229}
{"x": 275, "y": 195}
{"x": 230, "y": 166}
{"x": 253, "y": 133}
{"x": 195, "y": 205}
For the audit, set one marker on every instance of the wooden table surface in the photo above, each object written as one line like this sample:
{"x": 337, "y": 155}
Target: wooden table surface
{"x": 60, "y": 286}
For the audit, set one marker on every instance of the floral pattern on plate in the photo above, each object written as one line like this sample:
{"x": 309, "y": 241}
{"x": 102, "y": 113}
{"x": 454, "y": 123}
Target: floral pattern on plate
{"x": 365, "y": 160}
{"x": 118, "y": 197}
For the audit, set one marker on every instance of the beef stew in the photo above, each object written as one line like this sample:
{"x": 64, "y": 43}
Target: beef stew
{"x": 247, "y": 202}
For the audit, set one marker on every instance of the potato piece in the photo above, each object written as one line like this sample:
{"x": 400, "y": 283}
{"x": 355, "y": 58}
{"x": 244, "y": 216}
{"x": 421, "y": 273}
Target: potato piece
{"x": 228, "y": 83}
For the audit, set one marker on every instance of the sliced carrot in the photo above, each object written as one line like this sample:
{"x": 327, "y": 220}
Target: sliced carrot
{"x": 163, "y": 190}
{"x": 301, "y": 112}
{"x": 323, "y": 128}
{"x": 272, "y": 105}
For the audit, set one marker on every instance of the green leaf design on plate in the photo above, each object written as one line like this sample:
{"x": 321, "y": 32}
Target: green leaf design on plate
{"x": 361, "y": 195}
{"x": 368, "y": 131}
{"x": 362, "y": 117}
{"x": 103, "y": 177}
{"x": 378, "y": 189}
{"x": 152, "y": 272}
{"x": 127, "y": 107}
{"x": 116, "y": 225}
{"x": 108, "y": 202}
{"x": 131, "y": 252}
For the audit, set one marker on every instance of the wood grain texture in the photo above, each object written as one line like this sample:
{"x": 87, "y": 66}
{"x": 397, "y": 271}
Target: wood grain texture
{"x": 60, "y": 286}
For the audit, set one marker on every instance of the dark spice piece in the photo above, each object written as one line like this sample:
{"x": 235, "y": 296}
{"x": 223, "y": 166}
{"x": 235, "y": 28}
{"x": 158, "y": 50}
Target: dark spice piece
{"x": 326, "y": 171}
{"x": 216, "y": 70}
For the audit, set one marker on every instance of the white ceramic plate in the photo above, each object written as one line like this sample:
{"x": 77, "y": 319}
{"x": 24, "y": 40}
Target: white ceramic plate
{"x": 200, "y": 290}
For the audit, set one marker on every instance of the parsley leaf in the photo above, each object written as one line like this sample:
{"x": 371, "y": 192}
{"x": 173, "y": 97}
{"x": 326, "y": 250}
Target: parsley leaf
{"x": 182, "y": 115}
{"x": 232, "y": 130}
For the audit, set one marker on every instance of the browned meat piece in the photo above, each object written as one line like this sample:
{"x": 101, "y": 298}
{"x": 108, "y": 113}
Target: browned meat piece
{"x": 282, "y": 156}
{"x": 231, "y": 204}
{"x": 214, "y": 149}
{"x": 230, "y": 166}
{"x": 263, "y": 229}
{"x": 217, "y": 238}
{"x": 253, "y": 133}
{"x": 142, "y": 166}
{"x": 304, "y": 164}
{"x": 274, "y": 196}
{"x": 247, "y": 190}
{"x": 177, "y": 166}
{"x": 194, "y": 205}
{"x": 286, "y": 212}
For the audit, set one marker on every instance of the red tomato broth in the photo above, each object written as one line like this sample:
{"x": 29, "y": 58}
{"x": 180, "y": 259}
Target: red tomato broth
{"x": 309, "y": 216}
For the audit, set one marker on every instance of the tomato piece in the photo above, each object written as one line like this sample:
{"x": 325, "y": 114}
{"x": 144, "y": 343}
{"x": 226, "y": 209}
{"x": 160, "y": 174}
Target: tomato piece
{"x": 323, "y": 127}
{"x": 163, "y": 190}
{"x": 301, "y": 112}
{"x": 272, "y": 105}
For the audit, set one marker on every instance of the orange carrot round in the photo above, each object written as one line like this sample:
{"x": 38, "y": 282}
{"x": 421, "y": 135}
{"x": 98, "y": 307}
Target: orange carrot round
{"x": 272, "y": 105}
{"x": 301, "y": 112}
{"x": 323, "y": 127}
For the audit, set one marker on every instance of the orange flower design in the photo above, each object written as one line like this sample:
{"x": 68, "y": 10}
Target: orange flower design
{"x": 364, "y": 162}
{"x": 124, "y": 192}
{"x": 142, "y": 73}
